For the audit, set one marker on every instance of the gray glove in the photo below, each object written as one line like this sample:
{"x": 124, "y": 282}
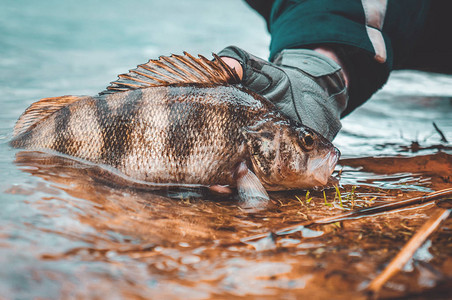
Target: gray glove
{"x": 304, "y": 85}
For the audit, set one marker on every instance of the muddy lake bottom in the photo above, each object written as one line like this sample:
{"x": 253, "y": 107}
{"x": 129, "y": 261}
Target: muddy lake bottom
{"x": 67, "y": 234}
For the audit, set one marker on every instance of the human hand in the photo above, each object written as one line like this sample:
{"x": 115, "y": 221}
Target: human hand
{"x": 304, "y": 85}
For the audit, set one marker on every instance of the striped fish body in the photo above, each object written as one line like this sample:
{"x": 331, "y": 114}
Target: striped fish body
{"x": 182, "y": 121}
{"x": 167, "y": 134}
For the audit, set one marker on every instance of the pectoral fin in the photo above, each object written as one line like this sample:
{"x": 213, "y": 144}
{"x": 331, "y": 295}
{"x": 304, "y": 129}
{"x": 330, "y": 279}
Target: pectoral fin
{"x": 251, "y": 192}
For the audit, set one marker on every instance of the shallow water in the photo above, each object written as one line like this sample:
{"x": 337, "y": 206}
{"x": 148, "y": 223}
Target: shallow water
{"x": 66, "y": 234}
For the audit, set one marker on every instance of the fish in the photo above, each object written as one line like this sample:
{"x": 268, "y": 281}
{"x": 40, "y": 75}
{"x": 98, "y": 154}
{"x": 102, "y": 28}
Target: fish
{"x": 182, "y": 121}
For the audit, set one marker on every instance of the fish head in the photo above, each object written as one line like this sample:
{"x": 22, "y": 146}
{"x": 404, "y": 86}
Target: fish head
{"x": 290, "y": 157}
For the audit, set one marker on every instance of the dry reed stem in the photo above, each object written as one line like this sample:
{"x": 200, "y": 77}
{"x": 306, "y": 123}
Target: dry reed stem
{"x": 439, "y": 215}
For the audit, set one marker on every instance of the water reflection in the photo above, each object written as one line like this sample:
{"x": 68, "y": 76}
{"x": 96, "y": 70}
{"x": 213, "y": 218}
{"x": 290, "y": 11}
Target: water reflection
{"x": 192, "y": 248}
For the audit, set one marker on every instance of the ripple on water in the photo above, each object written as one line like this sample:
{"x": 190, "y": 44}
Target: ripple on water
{"x": 65, "y": 233}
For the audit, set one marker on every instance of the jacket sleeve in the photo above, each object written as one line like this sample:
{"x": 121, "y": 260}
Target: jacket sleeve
{"x": 371, "y": 37}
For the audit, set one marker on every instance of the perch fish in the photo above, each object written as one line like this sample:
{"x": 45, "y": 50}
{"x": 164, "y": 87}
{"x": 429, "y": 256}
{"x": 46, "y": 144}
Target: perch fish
{"x": 182, "y": 121}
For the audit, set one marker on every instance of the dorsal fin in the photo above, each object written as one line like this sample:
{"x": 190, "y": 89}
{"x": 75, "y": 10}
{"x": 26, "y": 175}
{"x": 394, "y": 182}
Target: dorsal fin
{"x": 175, "y": 69}
{"x": 40, "y": 110}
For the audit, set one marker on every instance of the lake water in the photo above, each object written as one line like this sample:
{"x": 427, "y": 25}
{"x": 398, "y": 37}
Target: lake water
{"x": 65, "y": 235}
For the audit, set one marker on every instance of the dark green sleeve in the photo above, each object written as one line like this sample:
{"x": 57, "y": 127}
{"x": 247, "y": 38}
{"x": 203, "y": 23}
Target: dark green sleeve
{"x": 372, "y": 37}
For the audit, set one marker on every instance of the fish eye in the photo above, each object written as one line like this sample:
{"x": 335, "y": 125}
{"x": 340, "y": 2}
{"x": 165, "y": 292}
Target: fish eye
{"x": 307, "y": 141}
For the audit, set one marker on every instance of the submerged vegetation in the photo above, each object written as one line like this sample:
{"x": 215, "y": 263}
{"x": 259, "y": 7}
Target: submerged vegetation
{"x": 345, "y": 200}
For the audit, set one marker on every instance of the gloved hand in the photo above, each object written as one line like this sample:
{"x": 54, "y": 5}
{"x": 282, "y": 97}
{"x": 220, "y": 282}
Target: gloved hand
{"x": 305, "y": 85}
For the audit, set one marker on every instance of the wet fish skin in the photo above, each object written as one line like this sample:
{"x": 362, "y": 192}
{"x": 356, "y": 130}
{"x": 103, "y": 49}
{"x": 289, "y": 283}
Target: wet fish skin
{"x": 164, "y": 134}
{"x": 191, "y": 133}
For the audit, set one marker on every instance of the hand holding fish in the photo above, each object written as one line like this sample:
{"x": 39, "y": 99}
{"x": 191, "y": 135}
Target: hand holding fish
{"x": 304, "y": 84}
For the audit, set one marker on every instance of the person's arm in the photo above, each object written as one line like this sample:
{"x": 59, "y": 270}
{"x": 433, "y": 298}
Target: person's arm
{"x": 364, "y": 38}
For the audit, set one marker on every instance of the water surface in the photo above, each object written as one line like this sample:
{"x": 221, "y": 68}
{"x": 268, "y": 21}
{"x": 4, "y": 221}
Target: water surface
{"x": 66, "y": 234}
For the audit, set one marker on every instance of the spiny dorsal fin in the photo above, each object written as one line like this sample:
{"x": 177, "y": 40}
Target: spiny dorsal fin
{"x": 174, "y": 69}
{"x": 40, "y": 110}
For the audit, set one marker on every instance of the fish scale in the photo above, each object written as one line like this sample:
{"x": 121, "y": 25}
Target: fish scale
{"x": 176, "y": 154}
{"x": 182, "y": 120}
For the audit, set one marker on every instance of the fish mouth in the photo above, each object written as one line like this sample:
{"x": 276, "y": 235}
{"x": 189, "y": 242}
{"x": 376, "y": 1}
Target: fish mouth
{"x": 321, "y": 169}
{"x": 334, "y": 158}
